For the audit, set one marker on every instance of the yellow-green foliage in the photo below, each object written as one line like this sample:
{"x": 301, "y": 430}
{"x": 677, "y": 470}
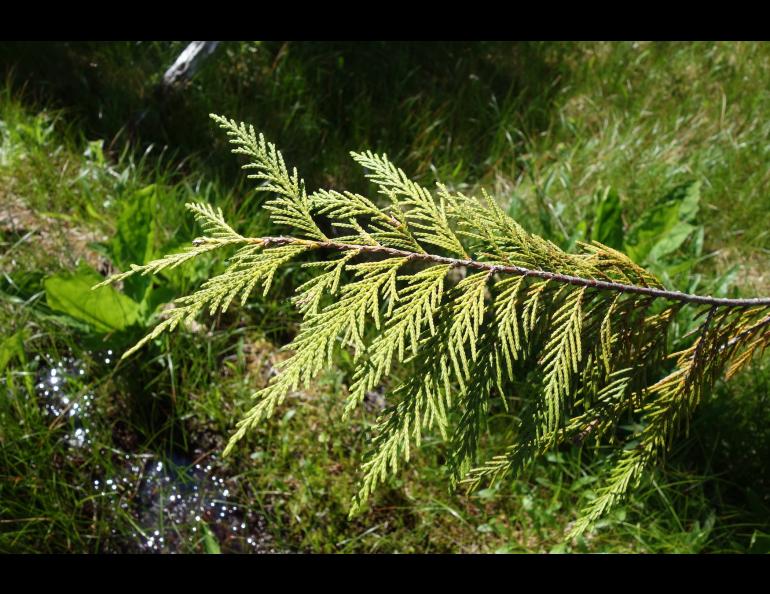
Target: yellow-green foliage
{"x": 584, "y": 323}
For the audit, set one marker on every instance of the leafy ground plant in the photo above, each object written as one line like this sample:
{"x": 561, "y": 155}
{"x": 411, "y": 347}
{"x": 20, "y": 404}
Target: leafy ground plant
{"x": 588, "y": 329}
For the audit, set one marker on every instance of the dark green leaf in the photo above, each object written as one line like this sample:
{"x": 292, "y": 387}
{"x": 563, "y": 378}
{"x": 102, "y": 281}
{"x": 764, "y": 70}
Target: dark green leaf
{"x": 608, "y": 222}
{"x": 104, "y": 309}
{"x": 664, "y": 228}
{"x": 134, "y": 241}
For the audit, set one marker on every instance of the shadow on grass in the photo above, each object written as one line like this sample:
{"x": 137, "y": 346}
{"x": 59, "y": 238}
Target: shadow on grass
{"x": 454, "y": 106}
{"x": 728, "y": 450}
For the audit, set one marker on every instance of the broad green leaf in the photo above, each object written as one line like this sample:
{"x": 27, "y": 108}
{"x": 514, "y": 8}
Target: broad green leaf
{"x": 608, "y": 223}
{"x": 682, "y": 267}
{"x": 651, "y": 228}
{"x": 670, "y": 241}
{"x": 104, "y": 309}
{"x": 663, "y": 229}
{"x": 134, "y": 241}
{"x": 689, "y": 196}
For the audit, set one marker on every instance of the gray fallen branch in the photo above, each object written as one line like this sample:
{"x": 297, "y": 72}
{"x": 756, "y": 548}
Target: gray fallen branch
{"x": 188, "y": 62}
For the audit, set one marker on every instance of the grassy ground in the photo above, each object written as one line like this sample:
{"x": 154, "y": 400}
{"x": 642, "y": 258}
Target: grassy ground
{"x": 548, "y": 127}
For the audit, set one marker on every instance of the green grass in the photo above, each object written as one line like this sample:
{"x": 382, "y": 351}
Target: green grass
{"x": 432, "y": 106}
{"x": 644, "y": 117}
{"x": 546, "y": 126}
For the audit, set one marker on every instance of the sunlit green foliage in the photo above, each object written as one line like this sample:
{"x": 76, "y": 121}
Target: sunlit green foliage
{"x": 522, "y": 304}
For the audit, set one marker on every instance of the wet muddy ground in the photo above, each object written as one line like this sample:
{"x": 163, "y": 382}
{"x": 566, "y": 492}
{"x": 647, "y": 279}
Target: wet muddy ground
{"x": 174, "y": 503}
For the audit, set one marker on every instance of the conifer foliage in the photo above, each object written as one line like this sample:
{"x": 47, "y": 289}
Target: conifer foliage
{"x": 590, "y": 328}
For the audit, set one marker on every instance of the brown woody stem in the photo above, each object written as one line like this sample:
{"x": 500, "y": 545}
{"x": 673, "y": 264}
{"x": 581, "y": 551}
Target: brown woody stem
{"x": 492, "y": 268}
